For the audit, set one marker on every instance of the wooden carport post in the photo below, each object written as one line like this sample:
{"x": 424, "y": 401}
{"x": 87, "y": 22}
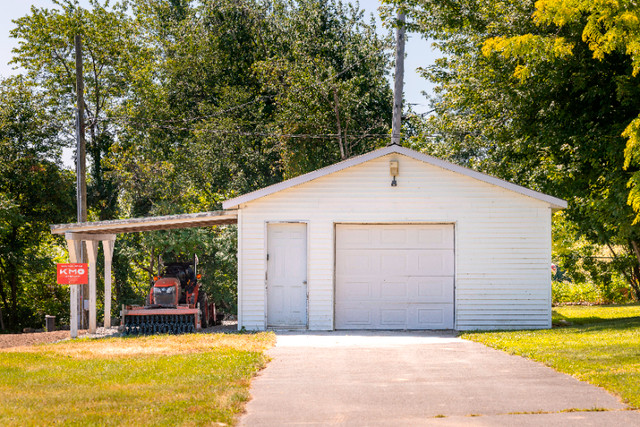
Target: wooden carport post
{"x": 75, "y": 240}
{"x": 92, "y": 252}
{"x": 107, "y": 248}
{"x": 75, "y": 247}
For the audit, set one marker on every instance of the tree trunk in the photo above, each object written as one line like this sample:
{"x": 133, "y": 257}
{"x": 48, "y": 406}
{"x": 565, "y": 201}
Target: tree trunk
{"x": 635, "y": 283}
{"x": 13, "y": 296}
{"x": 4, "y": 302}
{"x": 152, "y": 264}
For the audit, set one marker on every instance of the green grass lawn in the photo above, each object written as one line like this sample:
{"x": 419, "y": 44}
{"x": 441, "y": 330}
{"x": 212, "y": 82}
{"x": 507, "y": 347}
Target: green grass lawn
{"x": 599, "y": 344}
{"x": 194, "y": 379}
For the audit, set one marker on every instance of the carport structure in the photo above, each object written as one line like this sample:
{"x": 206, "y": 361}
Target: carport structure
{"x": 91, "y": 233}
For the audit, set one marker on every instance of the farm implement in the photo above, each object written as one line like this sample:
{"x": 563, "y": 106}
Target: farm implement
{"x": 176, "y": 304}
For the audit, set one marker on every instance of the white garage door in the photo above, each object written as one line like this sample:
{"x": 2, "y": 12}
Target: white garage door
{"x": 396, "y": 276}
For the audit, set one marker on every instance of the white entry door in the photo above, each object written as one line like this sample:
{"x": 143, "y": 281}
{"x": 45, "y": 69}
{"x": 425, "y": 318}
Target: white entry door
{"x": 396, "y": 276}
{"x": 287, "y": 275}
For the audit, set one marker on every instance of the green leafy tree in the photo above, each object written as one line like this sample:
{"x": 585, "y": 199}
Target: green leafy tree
{"x": 112, "y": 57}
{"x": 193, "y": 133}
{"x": 189, "y": 102}
{"x": 34, "y": 192}
{"x": 327, "y": 71}
{"x": 190, "y": 133}
{"x": 527, "y": 101}
{"x": 213, "y": 119}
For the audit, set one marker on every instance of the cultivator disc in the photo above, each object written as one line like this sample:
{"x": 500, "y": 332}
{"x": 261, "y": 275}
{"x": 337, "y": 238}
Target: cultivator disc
{"x": 150, "y": 324}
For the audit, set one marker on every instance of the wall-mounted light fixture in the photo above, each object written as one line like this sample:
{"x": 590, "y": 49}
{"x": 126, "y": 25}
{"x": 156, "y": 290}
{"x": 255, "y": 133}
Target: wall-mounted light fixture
{"x": 393, "y": 169}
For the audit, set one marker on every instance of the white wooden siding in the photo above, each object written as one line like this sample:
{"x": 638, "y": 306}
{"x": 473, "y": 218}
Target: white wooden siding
{"x": 503, "y": 239}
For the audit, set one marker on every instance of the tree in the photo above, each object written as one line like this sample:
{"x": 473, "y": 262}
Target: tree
{"x": 253, "y": 91}
{"x": 527, "y": 101}
{"x": 608, "y": 28}
{"x": 327, "y": 72}
{"x": 213, "y": 121}
{"x": 34, "y": 192}
{"x": 112, "y": 56}
{"x": 193, "y": 132}
{"x": 183, "y": 110}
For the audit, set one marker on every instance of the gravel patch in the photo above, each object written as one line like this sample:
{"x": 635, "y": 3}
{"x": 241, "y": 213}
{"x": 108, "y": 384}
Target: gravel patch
{"x": 35, "y": 338}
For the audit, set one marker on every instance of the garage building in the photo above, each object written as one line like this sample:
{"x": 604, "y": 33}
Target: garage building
{"x": 394, "y": 239}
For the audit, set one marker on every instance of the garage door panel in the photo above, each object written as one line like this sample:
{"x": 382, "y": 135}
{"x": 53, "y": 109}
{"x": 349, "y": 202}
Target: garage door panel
{"x": 435, "y": 263}
{"x": 355, "y": 237}
{"x": 394, "y": 317}
{"x": 398, "y": 276}
{"x": 356, "y": 289}
{"x": 357, "y": 262}
{"x": 355, "y": 317}
{"x": 432, "y": 289}
{"x": 393, "y": 237}
{"x": 395, "y": 289}
{"x": 393, "y": 263}
{"x": 432, "y": 237}
{"x": 435, "y": 317}
{"x": 430, "y": 316}
{"x": 412, "y": 262}
{"x": 363, "y": 315}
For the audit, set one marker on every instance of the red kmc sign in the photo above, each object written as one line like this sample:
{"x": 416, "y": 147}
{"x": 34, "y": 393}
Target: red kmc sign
{"x": 73, "y": 274}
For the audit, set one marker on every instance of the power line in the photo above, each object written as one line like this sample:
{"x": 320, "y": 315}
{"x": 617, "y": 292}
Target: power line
{"x": 249, "y": 133}
{"x": 174, "y": 124}
{"x": 263, "y": 97}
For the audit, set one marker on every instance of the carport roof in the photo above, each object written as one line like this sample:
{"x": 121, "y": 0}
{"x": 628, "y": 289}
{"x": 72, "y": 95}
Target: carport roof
{"x": 133, "y": 225}
{"x": 554, "y": 202}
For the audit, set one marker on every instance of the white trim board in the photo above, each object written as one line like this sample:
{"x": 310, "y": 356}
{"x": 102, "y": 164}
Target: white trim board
{"x": 554, "y": 202}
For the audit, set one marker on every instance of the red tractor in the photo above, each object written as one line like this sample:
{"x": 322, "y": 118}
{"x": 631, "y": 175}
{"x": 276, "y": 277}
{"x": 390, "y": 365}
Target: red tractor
{"x": 176, "y": 304}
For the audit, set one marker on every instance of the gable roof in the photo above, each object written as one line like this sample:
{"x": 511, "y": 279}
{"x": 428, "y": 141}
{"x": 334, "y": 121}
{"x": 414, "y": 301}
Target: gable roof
{"x": 234, "y": 203}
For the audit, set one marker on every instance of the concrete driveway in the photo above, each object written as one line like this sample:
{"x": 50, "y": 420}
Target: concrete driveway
{"x": 417, "y": 378}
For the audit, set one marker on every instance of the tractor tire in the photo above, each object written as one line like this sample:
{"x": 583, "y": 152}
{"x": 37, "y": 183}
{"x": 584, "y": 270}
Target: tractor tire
{"x": 203, "y": 301}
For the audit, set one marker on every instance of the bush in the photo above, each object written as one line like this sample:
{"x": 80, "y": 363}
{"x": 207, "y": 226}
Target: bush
{"x": 588, "y": 271}
{"x": 569, "y": 292}
{"x": 614, "y": 290}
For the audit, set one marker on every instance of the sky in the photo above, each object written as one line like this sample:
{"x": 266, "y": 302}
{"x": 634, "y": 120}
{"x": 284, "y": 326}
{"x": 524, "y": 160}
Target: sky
{"x": 418, "y": 51}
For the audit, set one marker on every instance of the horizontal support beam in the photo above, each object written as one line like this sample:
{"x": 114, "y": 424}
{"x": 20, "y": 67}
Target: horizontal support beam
{"x": 135, "y": 225}
{"x": 88, "y": 237}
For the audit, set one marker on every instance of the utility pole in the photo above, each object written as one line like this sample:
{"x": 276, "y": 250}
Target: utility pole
{"x": 81, "y": 163}
{"x": 399, "y": 80}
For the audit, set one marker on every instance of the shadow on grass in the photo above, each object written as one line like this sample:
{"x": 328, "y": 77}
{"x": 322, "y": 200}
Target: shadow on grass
{"x": 598, "y": 324}
{"x": 595, "y": 323}
{"x": 562, "y": 321}
{"x": 578, "y": 325}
